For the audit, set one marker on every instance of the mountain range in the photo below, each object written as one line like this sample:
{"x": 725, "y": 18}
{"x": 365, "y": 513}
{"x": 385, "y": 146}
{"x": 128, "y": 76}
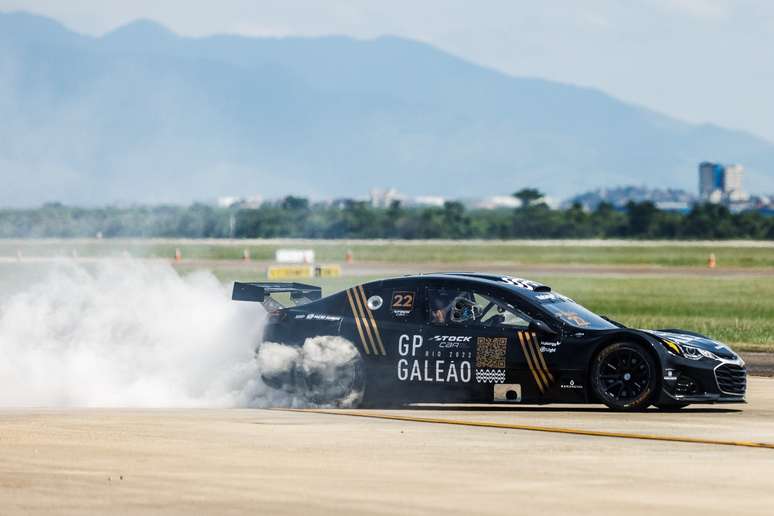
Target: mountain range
{"x": 143, "y": 115}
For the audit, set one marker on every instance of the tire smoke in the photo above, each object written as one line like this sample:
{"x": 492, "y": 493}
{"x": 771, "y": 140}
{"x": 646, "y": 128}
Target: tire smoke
{"x": 130, "y": 333}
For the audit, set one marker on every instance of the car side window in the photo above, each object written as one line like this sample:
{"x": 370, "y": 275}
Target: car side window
{"x": 452, "y": 306}
{"x": 441, "y": 303}
{"x": 495, "y": 312}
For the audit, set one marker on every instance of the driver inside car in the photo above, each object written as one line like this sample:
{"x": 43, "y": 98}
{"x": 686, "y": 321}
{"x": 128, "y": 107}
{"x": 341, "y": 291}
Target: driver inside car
{"x": 464, "y": 309}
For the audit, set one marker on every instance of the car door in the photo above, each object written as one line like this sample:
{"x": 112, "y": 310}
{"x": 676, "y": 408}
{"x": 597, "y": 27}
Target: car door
{"x": 508, "y": 351}
{"x": 539, "y": 345}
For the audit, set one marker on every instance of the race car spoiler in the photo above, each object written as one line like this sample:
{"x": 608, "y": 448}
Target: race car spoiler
{"x": 259, "y": 292}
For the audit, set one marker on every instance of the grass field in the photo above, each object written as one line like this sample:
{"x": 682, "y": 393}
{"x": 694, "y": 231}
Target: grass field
{"x": 594, "y": 252}
{"x": 736, "y": 309}
{"x": 739, "y": 311}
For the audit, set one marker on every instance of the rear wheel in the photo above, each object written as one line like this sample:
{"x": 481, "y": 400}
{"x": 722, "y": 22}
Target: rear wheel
{"x": 623, "y": 376}
{"x": 339, "y": 382}
{"x": 325, "y": 370}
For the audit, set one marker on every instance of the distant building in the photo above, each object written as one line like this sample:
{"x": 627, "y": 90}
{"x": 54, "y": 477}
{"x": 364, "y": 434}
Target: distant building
{"x": 384, "y": 198}
{"x": 495, "y": 202}
{"x": 733, "y": 179}
{"x": 428, "y": 200}
{"x": 619, "y": 197}
{"x": 710, "y": 178}
{"x": 721, "y": 183}
{"x": 240, "y": 202}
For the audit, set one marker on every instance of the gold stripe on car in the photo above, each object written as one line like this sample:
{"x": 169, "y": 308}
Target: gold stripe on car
{"x": 371, "y": 318}
{"x": 356, "y": 316}
{"x": 542, "y": 358}
{"x": 529, "y": 362}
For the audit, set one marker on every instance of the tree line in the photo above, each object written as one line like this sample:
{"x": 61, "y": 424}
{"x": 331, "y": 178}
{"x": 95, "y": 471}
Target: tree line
{"x": 296, "y": 217}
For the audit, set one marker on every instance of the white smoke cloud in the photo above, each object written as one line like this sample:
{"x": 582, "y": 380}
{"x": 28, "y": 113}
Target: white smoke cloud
{"x": 130, "y": 333}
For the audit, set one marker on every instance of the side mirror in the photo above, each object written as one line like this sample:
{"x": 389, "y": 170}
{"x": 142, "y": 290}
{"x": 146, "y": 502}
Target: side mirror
{"x": 539, "y": 326}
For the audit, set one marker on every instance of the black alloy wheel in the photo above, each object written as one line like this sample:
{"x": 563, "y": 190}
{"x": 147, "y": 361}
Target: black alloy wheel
{"x": 624, "y": 376}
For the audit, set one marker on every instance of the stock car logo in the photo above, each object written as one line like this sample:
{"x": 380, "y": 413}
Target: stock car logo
{"x": 451, "y": 341}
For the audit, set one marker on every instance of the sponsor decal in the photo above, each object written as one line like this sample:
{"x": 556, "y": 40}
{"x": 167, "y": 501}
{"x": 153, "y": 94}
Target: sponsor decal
{"x": 670, "y": 375}
{"x": 549, "y": 347}
{"x": 321, "y": 317}
{"x": 545, "y": 297}
{"x": 490, "y": 375}
{"x": 490, "y": 352}
{"x": 520, "y": 282}
{"x": 490, "y": 359}
{"x": 402, "y": 302}
{"x": 571, "y": 385}
{"x": 411, "y": 367}
{"x": 451, "y": 338}
{"x": 452, "y": 341}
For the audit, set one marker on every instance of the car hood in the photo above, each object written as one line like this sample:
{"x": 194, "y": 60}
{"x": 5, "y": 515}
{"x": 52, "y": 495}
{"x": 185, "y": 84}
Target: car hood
{"x": 718, "y": 348}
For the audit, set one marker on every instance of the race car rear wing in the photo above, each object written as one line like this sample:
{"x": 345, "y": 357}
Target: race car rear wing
{"x": 261, "y": 292}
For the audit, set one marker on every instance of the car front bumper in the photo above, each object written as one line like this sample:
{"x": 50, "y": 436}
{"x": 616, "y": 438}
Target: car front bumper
{"x": 703, "y": 381}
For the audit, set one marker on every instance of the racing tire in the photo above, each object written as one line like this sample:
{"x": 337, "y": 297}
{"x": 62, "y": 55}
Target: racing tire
{"x": 326, "y": 371}
{"x": 344, "y": 388}
{"x": 624, "y": 376}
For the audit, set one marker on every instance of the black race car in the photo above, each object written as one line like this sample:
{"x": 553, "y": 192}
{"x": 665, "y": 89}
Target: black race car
{"x": 483, "y": 338}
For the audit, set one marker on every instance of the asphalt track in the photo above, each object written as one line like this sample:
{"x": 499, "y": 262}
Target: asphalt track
{"x": 492, "y": 460}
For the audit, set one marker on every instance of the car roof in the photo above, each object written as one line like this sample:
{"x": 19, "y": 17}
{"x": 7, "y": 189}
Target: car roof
{"x": 518, "y": 285}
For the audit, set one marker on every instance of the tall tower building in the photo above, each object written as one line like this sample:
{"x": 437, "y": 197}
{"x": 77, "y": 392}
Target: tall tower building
{"x": 711, "y": 178}
{"x": 720, "y": 183}
{"x": 732, "y": 178}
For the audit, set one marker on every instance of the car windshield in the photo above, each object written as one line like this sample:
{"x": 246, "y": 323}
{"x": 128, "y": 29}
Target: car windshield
{"x": 570, "y": 312}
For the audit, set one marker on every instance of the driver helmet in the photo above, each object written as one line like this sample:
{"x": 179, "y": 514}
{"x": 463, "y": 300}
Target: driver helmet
{"x": 464, "y": 309}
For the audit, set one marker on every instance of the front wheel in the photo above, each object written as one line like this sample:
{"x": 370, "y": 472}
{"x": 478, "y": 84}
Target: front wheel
{"x": 623, "y": 376}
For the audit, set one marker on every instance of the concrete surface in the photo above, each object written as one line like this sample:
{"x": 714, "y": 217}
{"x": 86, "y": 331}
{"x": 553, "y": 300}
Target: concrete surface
{"x": 274, "y": 462}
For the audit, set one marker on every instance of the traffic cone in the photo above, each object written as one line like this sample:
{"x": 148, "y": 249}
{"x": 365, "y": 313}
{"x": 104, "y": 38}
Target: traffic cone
{"x": 178, "y": 255}
{"x": 246, "y": 255}
{"x": 348, "y": 257}
{"x": 712, "y": 262}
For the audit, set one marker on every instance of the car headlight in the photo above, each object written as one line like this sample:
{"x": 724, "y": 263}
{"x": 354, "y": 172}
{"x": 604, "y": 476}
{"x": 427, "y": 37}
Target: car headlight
{"x": 695, "y": 353}
{"x": 689, "y": 352}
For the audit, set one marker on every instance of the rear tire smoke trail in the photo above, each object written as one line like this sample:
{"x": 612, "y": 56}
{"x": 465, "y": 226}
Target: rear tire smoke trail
{"x": 132, "y": 333}
{"x": 127, "y": 333}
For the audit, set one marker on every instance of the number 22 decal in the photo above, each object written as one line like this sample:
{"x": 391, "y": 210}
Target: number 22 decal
{"x": 402, "y": 301}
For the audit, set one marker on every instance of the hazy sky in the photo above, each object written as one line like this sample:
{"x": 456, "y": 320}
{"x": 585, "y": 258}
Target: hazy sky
{"x": 699, "y": 60}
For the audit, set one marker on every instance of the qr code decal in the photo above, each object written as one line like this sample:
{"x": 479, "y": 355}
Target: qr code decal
{"x": 490, "y": 352}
